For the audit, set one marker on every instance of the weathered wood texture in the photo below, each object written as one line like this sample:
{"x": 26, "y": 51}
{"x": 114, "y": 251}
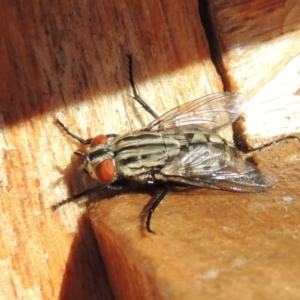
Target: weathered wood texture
{"x": 68, "y": 60}
{"x": 257, "y": 48}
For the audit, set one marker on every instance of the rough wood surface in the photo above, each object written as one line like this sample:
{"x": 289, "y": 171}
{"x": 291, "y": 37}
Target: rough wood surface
{"x": 258, "y": 54}
{"x": 68, "y": 60}
{"x": 274, "y": 112}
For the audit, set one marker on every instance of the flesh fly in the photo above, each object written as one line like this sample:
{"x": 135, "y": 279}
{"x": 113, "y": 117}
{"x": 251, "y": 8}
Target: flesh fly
{"x": 183, "y": 147}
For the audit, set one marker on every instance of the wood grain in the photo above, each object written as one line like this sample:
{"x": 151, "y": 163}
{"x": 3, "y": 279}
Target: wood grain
{"x": 274, "y": 112}
{"x": 258, "y": 54}
{"x": 68, "y": 60}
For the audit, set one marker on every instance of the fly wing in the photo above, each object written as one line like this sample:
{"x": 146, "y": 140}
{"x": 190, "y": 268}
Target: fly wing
{"x": 211, "y": 167}
{"x": 212, "y": 111}
{"x": 242, "y": 176}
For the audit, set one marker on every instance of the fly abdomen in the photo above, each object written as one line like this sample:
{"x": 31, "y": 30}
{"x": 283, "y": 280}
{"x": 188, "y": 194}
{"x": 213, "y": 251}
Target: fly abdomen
{"x": 192, "y": 139}
{"x": 201, "y": 153}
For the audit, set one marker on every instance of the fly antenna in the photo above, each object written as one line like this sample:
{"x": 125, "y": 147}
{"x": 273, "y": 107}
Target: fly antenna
{"x": 75, "y": 137}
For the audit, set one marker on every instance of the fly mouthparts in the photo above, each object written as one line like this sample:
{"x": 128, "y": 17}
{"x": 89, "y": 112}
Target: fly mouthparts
{"x": 81, "y": 154}
{"x": 86, "y": 159}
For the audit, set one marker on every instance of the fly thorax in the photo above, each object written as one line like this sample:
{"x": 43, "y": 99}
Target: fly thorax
{"x": 140, "y": 154}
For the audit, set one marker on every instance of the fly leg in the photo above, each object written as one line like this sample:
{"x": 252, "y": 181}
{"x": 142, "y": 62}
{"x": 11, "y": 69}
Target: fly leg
{"x": 154, "y": 206}
{"x": 155, "y": 115}
{"x": 84, "y": 193}
{"x": 135, "y": 94}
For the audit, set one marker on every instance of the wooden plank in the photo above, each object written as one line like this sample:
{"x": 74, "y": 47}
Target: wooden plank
{"x": 208, "y": 244}
{"x": 258, "y": 54}
{"x": 274, "y": 113}
{"x": 68, "y": 60}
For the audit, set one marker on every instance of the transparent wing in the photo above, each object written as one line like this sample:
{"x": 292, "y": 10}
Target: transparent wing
{"x": 214, "y": 168}
{"x": 212, "y": 111}
{"x": 242, "y": 176}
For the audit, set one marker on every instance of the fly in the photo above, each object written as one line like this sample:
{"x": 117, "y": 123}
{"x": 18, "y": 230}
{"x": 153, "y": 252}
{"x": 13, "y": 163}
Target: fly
{"x": 183, "y": 147}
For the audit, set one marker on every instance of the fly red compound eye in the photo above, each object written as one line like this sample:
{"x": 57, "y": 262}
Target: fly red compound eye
{"x": 99, "y": 139}
{"x": 105, "y": 171}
